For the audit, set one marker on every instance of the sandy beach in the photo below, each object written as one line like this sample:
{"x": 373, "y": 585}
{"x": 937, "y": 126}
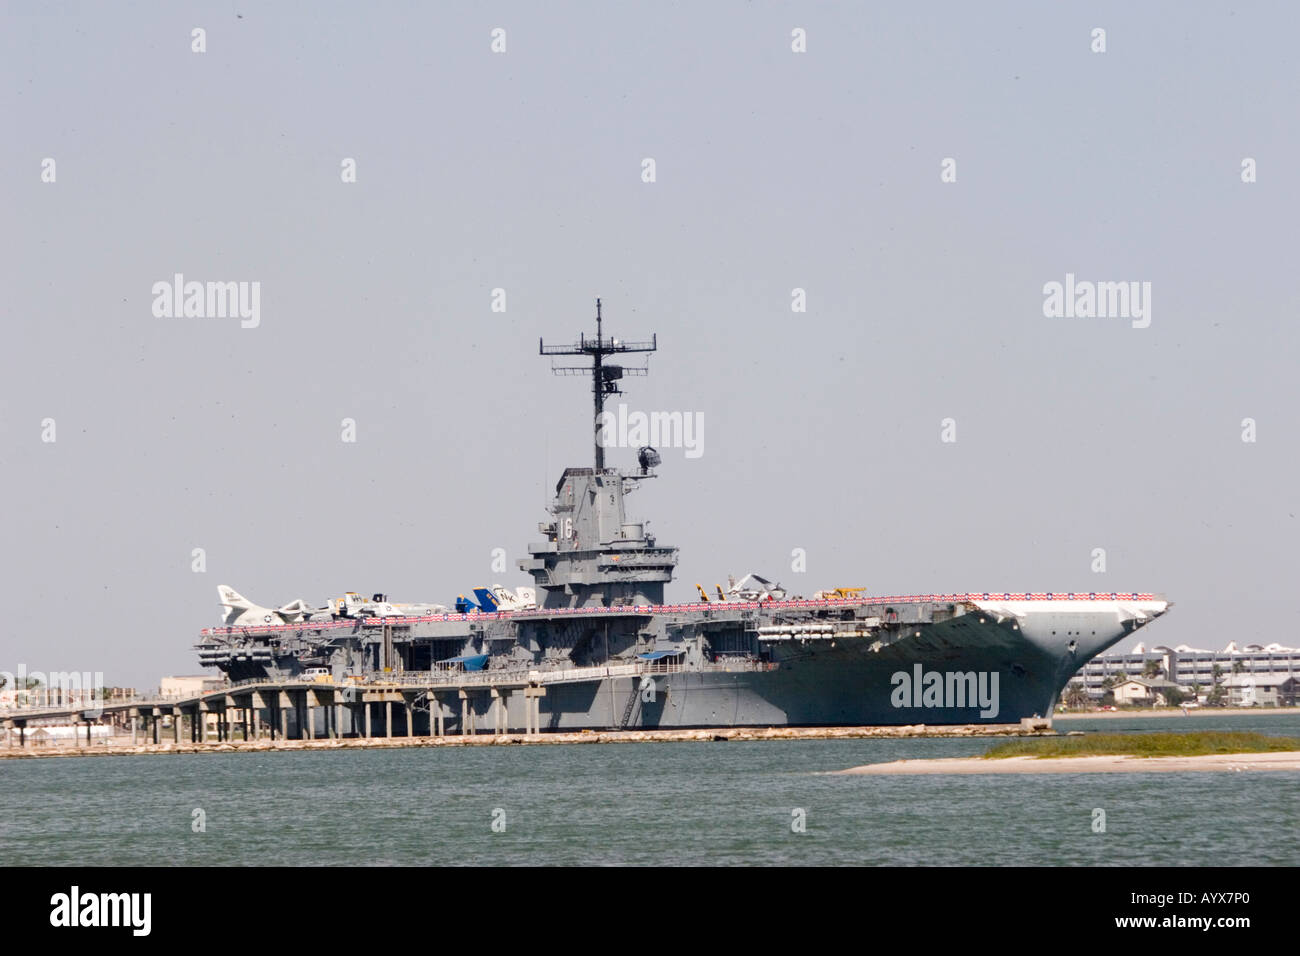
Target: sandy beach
{"x": 1284, "y": 760}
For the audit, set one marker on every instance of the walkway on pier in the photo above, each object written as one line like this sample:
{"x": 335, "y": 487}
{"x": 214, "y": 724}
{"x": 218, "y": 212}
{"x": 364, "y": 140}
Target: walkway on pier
{"x": 299, "y": 709}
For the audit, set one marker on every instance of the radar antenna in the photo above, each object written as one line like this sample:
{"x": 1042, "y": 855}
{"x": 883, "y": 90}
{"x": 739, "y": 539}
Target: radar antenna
{"x": 605, "y": 378}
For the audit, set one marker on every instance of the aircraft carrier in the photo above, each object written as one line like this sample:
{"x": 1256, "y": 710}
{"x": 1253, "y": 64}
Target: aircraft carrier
{"x": 596, "y": 632}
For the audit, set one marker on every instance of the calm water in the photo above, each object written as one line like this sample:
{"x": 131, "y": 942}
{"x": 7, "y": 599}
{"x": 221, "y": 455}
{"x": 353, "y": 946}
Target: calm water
{"x": 706, "y": 803}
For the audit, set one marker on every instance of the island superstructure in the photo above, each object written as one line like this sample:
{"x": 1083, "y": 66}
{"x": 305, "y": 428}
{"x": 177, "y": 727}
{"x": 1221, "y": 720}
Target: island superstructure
{"x": 596, "y": 631}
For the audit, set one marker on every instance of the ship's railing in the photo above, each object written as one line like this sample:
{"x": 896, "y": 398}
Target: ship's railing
{"x": 566, "y": 674}
{"x": 662, "y": 667}
{"x": 504, "y": 675}
{"x": 530, "y": 675}
{"x": 739, "y": 665}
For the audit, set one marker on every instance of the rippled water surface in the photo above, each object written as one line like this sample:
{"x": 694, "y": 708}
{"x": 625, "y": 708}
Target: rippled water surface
{"x": 670, "y": 803}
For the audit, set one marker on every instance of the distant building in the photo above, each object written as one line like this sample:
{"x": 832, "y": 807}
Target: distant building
{"x": 1193, "y": 669}
{"x": 189, "y": 685}
{"x": 1261, "y": 690}
{"x": 1144, "y": 691}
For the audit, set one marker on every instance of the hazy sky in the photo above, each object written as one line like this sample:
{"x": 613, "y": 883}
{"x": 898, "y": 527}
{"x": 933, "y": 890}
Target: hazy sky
{"x": 522, "y": 170}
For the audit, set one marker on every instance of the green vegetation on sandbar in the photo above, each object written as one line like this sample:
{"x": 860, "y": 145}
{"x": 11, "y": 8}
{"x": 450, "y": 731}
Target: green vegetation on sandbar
{"x": 1144, "y": 745}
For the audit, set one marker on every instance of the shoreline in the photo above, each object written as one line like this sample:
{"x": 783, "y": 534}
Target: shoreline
{"x": 114, "y": 749}
{"x": 1107, "y": 763}
{"x": 1177, "y": 712}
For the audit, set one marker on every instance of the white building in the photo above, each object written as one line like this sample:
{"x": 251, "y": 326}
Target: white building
{"x": 1147, "y": 691}
{"x": 1191, "y": 667}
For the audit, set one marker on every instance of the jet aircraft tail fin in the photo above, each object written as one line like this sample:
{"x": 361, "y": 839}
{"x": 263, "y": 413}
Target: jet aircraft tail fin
{"x": 232, "y": 598}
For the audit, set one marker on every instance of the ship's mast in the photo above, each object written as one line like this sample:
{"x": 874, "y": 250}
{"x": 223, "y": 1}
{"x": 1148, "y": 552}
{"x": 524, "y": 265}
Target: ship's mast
{"x": 604, "y": 378}
{"x": 593, "y": 556}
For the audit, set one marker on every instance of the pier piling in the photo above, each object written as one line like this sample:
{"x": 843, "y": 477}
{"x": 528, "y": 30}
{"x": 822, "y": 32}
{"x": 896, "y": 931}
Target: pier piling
{"x": 466, "y": 714}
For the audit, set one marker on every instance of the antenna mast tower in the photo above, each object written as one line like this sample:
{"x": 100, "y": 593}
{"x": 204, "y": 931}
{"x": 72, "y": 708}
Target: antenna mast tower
{"x": 604, "y": 378}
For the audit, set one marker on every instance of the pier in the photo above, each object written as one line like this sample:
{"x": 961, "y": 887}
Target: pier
{"x": 402, "y": 705}
{"x": 409, "y": 709}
